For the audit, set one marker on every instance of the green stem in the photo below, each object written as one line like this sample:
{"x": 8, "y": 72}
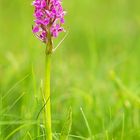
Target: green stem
{"x": 47, "y": 98}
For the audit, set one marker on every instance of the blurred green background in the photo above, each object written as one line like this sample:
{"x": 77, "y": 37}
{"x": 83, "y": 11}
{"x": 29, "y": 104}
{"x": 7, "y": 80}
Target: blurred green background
{"x": 96, "y": 68}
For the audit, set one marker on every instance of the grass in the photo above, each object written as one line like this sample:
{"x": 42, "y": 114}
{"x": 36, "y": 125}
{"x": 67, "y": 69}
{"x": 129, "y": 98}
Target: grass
{"x": 96, "y": 69}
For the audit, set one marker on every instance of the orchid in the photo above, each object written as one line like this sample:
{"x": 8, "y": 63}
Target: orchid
{"x": 49, "y": 18}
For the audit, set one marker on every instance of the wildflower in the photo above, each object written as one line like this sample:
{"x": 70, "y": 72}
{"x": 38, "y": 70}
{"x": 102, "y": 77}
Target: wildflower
{"x": 49, "y": 18}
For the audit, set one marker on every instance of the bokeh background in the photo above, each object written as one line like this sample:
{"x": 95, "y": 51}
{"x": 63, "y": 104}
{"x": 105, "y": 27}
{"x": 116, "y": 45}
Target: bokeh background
{"x": 97, "y": 68}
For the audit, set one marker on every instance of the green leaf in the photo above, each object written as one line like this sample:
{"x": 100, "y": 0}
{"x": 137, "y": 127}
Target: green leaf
{"x": 67, "y": 126}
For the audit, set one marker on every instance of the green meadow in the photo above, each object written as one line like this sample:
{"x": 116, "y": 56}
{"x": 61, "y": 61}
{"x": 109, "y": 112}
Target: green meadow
{"x": 95, "y": 72}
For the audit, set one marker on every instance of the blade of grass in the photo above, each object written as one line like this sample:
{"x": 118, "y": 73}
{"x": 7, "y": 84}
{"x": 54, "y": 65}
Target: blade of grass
{"x": 42, "y": 109}
{"x": 14, "y": 131}
{"x": 0, "y": 115}
{"x": 29, "y": 136}
{"x": 11, "y": 106}
{"x": 30, "y": 122}
{"x": 67, "y": 126}
{"x": 122, "y": 133}
{"x": 107, "y": 135}
{"x": 70, "y": 135}
{"x": 14, "y": 103}
{"x": 60, "y": 42}
{"x": 14, "y": 86}
{"x": 87, "y": 124}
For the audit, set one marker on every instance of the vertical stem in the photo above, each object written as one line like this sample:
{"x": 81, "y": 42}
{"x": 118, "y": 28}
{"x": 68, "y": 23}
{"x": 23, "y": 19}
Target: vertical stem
{"x": 1, "y": 115}
{"x": 47, "y": 98}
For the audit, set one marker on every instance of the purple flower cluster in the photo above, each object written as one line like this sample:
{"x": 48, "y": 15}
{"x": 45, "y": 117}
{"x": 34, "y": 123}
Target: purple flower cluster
{"x": 49, "y": 17}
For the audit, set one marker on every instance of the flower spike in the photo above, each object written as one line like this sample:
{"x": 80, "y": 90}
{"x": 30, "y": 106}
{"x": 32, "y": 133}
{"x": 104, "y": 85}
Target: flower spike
{"x": 49, "y": 18}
